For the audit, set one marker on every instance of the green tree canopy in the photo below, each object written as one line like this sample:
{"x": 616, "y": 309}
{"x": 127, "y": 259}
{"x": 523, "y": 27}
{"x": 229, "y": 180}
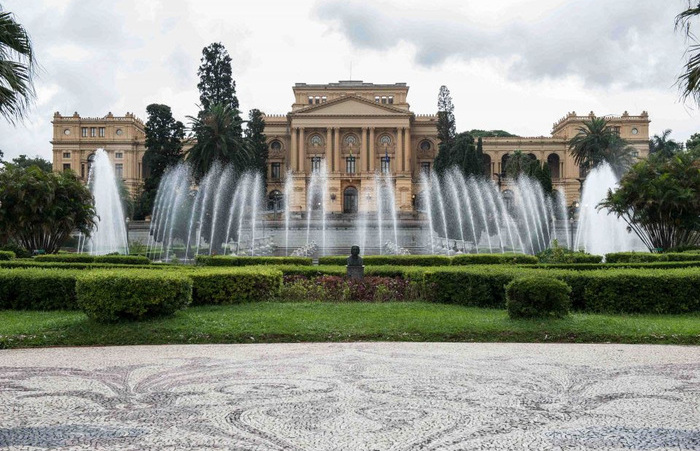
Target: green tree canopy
{"x": 255, "y": 134}
{"x": 659, "y": 198}
{"x": 446, "y": 125}
{"x": 17, "y": 67}
{"x": 216, "y": 85}
{"x": 597, "y": 143}
{"x": 218, "y": 140}
{"x": 661, "y": 145}
{"x": 39, "y": 209}
{"x": 24, "y": 162}
{"x": 491, "y": 134}
{"x": 463, "y": 154}
{"x": 694, "y": 142}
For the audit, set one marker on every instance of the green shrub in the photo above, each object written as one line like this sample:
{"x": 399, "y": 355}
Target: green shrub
{"x": 30, "y": 263}
{"x": 37, "y": 289}
{"x": 592, "y": 266}
{"x": 231, "y": 286}
{"x": 65, "y": 258}
{"x": 19, "y": 251}
{"x": 537, "y": 297}
{"x": 341, "y": 289}
{"x": 493, "y": 259}
{"x": 560, "y": 254}
{"x": 112, "y": 295}
{"x": 7, "y": 255}
{"x": 639, "y": 257}
{"x": 220, "y": 260}
{"x": 478, "y": 286}
{"x": 122, "y": 259}
{"x": 390, "y": 260}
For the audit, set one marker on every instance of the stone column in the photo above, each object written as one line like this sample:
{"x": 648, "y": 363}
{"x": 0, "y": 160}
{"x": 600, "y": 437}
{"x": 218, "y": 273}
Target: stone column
{"x": 292, "y": 163}
{"x": 398, "y": 156}
{"x": 301, "y": 161}
{"x": 329, "y": 152}
{"x": 407, "y": 150}
{"x": 363, "y": 150}
{"x": 372, "y": 156}
{"x": 336, "y": 149}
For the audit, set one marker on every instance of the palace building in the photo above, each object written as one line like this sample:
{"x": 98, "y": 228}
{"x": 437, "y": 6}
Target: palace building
{"x": 350, "y": 130}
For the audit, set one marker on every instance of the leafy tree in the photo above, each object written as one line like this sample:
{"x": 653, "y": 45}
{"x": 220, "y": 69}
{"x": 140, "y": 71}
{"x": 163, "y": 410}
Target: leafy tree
{"x": 694, "y": 142}
{"x": 24, "y": 162}
{"x": 518, "y": 164}
{"x": 597, "y": 143}
{"x": 218, "y": 140}
{"x": 39, "y": 209}
{"x": 663, "y": 146}
{"x": 216, "y": 85}
{"x": 255, "y": 134}
{"x": 164, "y": 136}
{"x": 446, "y": 125}
{"x": 463, "y": 154}
{"x": 2, "y": 154}
{"x": 491, "y": 134}
{"x": 659, "y": 198}
{"x": 17, "y": 66}
{"x": 689, "y": 80}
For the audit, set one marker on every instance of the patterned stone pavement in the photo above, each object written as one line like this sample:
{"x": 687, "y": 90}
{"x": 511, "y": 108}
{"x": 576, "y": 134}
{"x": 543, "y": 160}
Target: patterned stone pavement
{"x": 360, "y": 396}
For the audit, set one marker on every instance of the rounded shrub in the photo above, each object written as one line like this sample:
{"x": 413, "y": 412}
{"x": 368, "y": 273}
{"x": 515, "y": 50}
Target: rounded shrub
{"x": 537, "y": 297}
{"x": 7, "y": 255}
{"x": 111, "y": 295}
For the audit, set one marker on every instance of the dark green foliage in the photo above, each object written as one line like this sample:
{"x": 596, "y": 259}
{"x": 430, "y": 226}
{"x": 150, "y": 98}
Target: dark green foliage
{"x": 663, "y": 147}
{"x": 491, "y": 134}
{"x": 659, "y": 199}
{"x": 24, "y": 162}
{"x": 537, "y": 297}
{"x": 479, "y": 286}
{"x": 597, "y": 143}
{"x": 693, "y": 144}
{"x": 340, "y": 289}
{"x": 85, "y": 258}
{"x": 560, "y": 254}
{"x": 39, "y": 210}
{"x": 19, "y": 251}
{"x": 493, "y": 259}
{"x": 463, "y": 154}
{"x": 446, "y": 125}
{"x": 591, "y": 266}
{"x": 17, "y": 68}
{"x": 640, "y": 257}
{"x": 217, "y": 260}
{"x": 7, "y": 255}
{"x": 216, "y": 84}
{"x": 31, "y": 263}
{"x": 111, "y": 295}
{"x": 37, "y": 289}
{"x": 396, "y": 260}
{"x": 230, "y": 286}
{"x": 689, "y": 80}
{"x": 255, "y": 134}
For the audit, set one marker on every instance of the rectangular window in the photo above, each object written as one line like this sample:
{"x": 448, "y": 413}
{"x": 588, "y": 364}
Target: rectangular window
{"x": 315, "y": 164}
{"x": 323, "y": 99}
{"x": 386, "y": 165}
{"x": 350, "y": 165}
{"x": 66, "y": 154}
{"x": 82, "y": 170}
{"x": 616, "y": 130}
{"x": 275, "y": 171}
{"x": 119, "y": 171}
{"x": 102, "y": 132}
{"x": 383, "y": 99}
{"x": 93, "y": 132}
{"x": 425, "y": 168}
{"x": 66, "y": 167}
{"x": 318, "y": 100}
{"x": 118, "y": 155}
{"x": 83, "y": 130}
{"x": 391, "y": 99}
{"x": 311, "y": 100}
{"x": 376, "y": 99}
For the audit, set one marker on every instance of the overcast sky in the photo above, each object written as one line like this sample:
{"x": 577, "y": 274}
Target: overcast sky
{"x": 516, "y": 65}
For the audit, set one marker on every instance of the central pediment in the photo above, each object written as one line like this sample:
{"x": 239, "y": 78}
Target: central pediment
{"x": 351, "y": 106}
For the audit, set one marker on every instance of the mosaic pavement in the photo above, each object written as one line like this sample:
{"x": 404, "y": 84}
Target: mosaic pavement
{"x": 362, "y": 396}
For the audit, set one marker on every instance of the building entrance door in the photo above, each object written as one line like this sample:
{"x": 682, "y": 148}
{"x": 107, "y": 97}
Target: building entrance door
{"x": 350, "y": 200}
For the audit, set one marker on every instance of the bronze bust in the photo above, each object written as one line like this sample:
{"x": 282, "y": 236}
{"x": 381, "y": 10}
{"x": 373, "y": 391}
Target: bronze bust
{"x": 354, "y": 259}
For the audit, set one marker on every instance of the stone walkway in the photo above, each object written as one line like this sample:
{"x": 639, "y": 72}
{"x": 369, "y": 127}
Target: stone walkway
{"x": 362, "y": 396}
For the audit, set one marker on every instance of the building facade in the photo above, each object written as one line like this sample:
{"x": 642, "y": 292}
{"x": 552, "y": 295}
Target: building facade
{"x": 350, "y": 131}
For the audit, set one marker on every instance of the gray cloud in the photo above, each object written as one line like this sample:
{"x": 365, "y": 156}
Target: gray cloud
{"x": 626, "y": 43}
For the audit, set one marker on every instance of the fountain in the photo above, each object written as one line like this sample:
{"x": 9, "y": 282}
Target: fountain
{"x": 598, "y": 231}
{"x": 109, "y": 235}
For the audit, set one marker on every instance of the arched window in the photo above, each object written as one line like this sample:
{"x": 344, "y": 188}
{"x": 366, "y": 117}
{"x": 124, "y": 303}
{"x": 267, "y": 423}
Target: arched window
{"x": 553, "y": 163}
{"x": 532, "y": 156}
{"x": 275, "y": 145}
{"x": 425, "y": 145}
{"x": 275, "y": 201}
{"x": 385, "y": 140}
{"x": 350, "y": 200}
{"x": 487, "y": 165}
{"x": 504, "y": 162}
{"x": 316, "y": 140}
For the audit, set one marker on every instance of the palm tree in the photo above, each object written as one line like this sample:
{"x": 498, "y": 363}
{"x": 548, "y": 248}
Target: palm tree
{"x": 217, "y": 140}
{"x": 16, "y": 68}
{"x": 597, "y": 143}
{"x": 661, "y": 145}
{"x": 689, "y": 80}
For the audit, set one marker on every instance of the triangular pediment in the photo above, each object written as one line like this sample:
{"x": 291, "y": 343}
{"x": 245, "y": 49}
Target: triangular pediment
{"x": 351, "y": 106}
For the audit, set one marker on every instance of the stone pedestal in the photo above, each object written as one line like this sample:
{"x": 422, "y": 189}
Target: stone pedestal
{"x": 356, "y": 272}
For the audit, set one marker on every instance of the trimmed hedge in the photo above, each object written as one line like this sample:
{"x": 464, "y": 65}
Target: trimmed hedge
{"x": 30, "y": 263}
{"x": 493, "y": 259}
{"x": 220, "y": 260}
{"x": 84, "y": 258}
{"x": 592, "y": 266}
{"x": 37, "y": 289}
{"x": 390, "y": 260}
{"x": 7, "y": 255}
{"x": 109, "y": 295}
{"x": 638, "y": 257}
{"x": 537, "y": 297}
{"x": 222, "y": 286}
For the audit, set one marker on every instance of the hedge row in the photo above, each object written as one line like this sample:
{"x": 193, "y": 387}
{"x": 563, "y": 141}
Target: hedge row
{"x": 219, "y": 260}
{"x": 37, "y": 289}
{"x": 610, "y": 290}
{"x": 84, "y": 258}
{"x": 393, "y": 260}
{"x": 640, "y": 257}
{"x": 493, "y": 259}
{"x": 7, "y": 255}
{"x": 30, "y": 263}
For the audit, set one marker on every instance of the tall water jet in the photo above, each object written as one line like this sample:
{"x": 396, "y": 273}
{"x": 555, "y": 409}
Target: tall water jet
{"x": 109, "y": 235}
{"x": 429, "y": 208}
{"x": 288, "y": 187}
{"x": 598, "y": 231}
{"x": 561, "y": 211}
{"x": 257, "y": 188}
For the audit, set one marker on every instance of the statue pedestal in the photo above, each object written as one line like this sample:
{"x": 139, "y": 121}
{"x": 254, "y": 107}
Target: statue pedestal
{"x": 356, "y": 272}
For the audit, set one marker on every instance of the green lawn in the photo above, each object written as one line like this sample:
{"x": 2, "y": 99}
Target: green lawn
{"x": 295, "y": 322}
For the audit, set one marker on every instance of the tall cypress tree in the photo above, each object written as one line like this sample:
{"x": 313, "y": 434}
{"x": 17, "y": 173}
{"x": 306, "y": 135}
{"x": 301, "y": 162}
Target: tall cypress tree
{"x": 255, "y": 134}
{"x": 216, "y": 84}
{"x": 446, "y": 130}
